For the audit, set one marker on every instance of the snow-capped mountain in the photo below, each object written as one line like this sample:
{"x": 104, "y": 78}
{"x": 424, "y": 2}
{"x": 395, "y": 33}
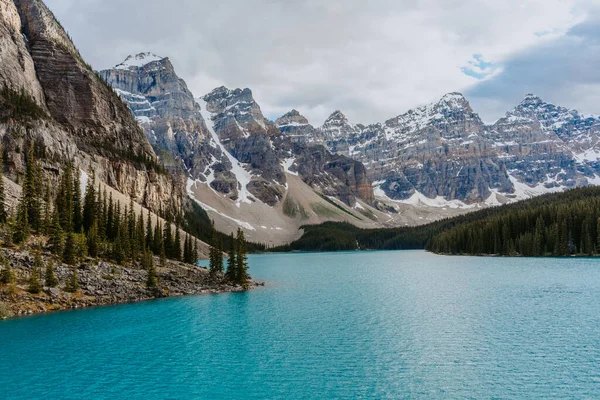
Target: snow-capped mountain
{"x": 236, "y": 160}
{"x": 444, "y": 152}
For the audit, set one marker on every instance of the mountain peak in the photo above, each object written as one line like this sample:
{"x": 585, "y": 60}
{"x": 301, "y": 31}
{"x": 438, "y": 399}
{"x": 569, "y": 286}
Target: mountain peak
{"x": 336, "y": 118}
{"x": 139, "y": 60}
{"x": 291, "y": 118}
{"x": 454, "y": 100}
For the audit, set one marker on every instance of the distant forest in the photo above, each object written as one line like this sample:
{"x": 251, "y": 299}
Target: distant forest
{"x": 560, "y": 224}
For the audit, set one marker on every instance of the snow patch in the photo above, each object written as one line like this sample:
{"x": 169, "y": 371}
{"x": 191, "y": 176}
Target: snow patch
{"x": 241, "y": 174}
{"x": 190, "y": 192}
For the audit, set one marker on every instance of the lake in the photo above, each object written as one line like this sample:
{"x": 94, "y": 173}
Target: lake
{"x": 404, "y": 324}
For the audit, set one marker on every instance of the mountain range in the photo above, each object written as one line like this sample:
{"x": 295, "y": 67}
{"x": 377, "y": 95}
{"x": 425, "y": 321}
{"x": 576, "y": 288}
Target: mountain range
{"x": 433, "y": 161}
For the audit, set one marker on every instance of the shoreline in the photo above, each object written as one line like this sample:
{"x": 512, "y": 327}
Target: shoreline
{"x": 101, "y": 284}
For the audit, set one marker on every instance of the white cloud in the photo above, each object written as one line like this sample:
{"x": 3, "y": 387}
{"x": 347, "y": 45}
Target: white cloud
{"x": 373, "y": 60}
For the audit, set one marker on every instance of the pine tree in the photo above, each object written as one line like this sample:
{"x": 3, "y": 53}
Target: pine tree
{"x": 47, "y": 223}
{"x": 163, "y": 256}
{"x": 231, "y": 274}
{"x": 69, "y": 250}
{"x": 56, "y": 235}
{"x": 168, "y": 240}
{"x": 30, "y": 196}
{"x": 90, "y": 206}
{"x": 51, "y": 280}
{"x": 187, "y": 254}
{"x": 7, "y": 275}
{"x": 152, "y": 282}
{"x": 118, "y": 252}
{"x": 149, "y": 236}
{"x": 64, "y": 200}
{"x": 242, "y": 277}
{"x": 21, "y": 227}
{"x": 77, "y": 214}
{"x": 177, "y": 245}
{"x": 195, "y": 251}
{"x": 34, "y": 285}
{"x": 92, "y": 241}
{"x": 72, "y": 285}
{"x": 110, "y": 222}
{"x": 3, "y": 208}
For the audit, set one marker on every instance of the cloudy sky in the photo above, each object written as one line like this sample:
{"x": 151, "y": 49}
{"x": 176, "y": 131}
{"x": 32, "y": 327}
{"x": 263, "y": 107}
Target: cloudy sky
{"x": 372, "y": 59}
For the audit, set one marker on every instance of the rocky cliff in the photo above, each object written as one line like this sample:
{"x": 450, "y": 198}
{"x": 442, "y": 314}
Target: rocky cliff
{"x": 443, "y": 154}
{"x": 77, "y": 116}
{"x": 223, "y": 140}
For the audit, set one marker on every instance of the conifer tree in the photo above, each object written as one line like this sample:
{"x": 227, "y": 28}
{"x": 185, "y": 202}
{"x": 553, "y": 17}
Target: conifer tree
{"x": 30, "y": 197}
{"x": 72, "y": 285}
{"x": 50, "y": 278}
{"x": 3, "y": 208}
{"x": 242, "y": 277}
{"x": 118, "y": 251}
{"x": 149, "y": 236}
{"x": 152, "y": 281}
{"x": 64, "y": 200}
{"x": 187, "y": 253}
{"x": 7, "y": 275}
{"x": 47, "y": 222}
{"x": 168, "y": 240}
{"x": 232, "y": 266}
{"x": 195, "y": 251}
{"x": 69, "y": 251}
{"x": 110, "y": 223}
{"x": 90, "y": 206}
{"x": 92, "y": 241}
{"x": 34, "y": 285}
{"x": 177, "y": 245}
{"x": 56, "y": 235}
{"x": 163, "y": 256}
{"x": 21, "y": 227}
{"x": 158, "y": 240}
{"x": 77, "y": 214}
{"x": 140, "y": 233}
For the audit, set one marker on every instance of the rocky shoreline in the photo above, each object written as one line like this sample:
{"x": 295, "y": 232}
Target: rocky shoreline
{"x": 101, "y": 283}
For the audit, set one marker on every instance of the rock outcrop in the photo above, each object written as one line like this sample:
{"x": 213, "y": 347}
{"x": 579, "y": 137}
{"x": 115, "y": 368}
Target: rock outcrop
{"x": 82, "y": 119}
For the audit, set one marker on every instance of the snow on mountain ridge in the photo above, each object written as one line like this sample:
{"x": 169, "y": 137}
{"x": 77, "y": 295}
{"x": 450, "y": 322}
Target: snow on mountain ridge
{"x": 139, "y": 60}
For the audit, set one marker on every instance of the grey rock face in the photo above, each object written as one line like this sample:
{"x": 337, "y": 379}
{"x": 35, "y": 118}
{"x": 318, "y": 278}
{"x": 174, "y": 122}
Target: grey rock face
{"x": 444, "y": 149}
{"x": 86, "y": 122}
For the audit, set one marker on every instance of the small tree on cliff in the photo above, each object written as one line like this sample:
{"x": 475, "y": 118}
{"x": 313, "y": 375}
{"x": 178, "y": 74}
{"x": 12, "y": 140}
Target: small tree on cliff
{"x": 51, "y": 280}
{"x": 72, "y": 285}
{"x": 3, "y": 209}
{"x": 34, "y": 278}
{"x": 152, "y": 281}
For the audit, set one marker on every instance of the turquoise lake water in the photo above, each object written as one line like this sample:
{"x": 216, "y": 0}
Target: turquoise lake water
{"x": 347, "y": 325}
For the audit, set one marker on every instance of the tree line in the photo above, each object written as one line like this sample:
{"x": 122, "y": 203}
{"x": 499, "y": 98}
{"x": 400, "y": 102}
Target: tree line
{"x": 553, "y": 225}
{"x": 237, "y": 261}
{"x": 91, "y": 223}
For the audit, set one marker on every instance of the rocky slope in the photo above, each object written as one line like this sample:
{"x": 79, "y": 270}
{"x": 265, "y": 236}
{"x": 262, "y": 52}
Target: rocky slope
{"x": 101, "y": 283}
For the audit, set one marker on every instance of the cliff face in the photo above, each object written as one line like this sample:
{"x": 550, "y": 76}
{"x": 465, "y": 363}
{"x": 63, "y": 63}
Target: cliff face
{"x": 86, "y": 122}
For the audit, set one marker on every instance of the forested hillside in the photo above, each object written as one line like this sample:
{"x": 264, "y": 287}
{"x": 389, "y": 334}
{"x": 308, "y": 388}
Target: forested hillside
{"x": 551, "y": 225}
{"x": 557, "y": 225}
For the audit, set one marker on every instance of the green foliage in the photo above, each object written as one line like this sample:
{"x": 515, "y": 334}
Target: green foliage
{"x": 50, "y": 278}
{"x": 34, "y": 285}
{"x": 555, "y": 224}
{"x": 69, "y": 255}
{"x": 72, "y": 285}
{"x": 19, "y": 106}
{"x": 558, "y": 224}
{"x": 3, "y": 208}
{"x": 7, "y": 275}
{"x": 152, "y": 281}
